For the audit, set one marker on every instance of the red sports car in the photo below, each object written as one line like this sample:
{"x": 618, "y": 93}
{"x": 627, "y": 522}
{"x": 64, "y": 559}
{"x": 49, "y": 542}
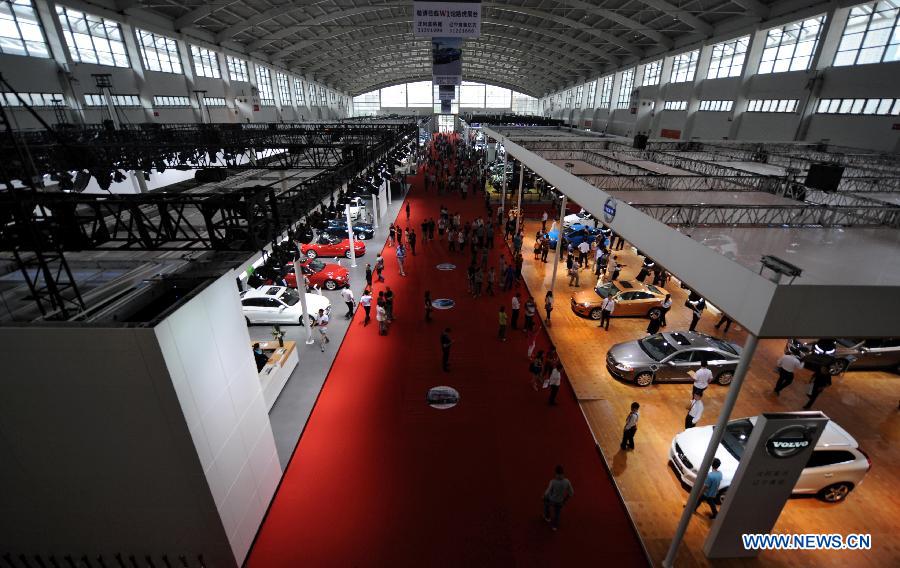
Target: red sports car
{"x": 328, "y": 276}
{"x": 328, "y": 245}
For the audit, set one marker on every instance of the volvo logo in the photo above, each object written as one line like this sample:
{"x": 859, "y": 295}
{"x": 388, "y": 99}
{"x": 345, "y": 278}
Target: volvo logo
{"x": 789, "y": 441}
{"x": 443, "y": 303}
{"x": 609, "y": 210}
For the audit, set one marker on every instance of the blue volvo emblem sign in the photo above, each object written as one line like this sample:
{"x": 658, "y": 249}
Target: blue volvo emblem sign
{"x": 609, "y": 209}
{"x": 443, "y": 303}
{"x": 446, "y": 266}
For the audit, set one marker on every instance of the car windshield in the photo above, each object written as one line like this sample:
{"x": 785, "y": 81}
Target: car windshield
{"x": 607, "y": 289}
{"x": 315, "y": 265}
{"x": 723, "y": 346}
{"x": 657, "y": 346}
{"x": 736, "y": 435}
{"x": 290, "y": 297}
{"x": 654, "y": 289}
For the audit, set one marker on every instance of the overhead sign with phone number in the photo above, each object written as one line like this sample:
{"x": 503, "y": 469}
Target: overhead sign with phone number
{"x": 447, "y": 19}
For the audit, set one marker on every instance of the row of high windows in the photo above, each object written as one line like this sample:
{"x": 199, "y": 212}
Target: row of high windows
{"x": 98, "y": 40}
{"x": 870, "y": 35}
{"x": 50, "y": 100}
{"x": 423, "y": 94}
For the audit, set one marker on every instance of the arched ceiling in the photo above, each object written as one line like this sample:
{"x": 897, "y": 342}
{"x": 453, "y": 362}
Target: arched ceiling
{"x": 533, "y": 46}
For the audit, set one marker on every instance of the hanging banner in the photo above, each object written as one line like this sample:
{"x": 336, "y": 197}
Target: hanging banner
{"x": 446, "y": 92}
{"x": 447, "y": 19}
{"x": 446, "y": 57}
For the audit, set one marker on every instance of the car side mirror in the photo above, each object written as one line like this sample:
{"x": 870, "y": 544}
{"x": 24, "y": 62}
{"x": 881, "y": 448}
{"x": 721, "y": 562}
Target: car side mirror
{"x": 281, "y": 308}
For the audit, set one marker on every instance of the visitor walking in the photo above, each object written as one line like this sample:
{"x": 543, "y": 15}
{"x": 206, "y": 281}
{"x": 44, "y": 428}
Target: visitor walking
{"x": 366, "y": 302}
{"x": 710, "y": 491}
{"x": 821, "y": 380}
{"x": 381, "y": 318}
{"x": 553, "y": 382}
{"x": 630, "y": 429}
{"x": 556, "y": 495}
{"x": 515, "y": 305}
{"x": 379, "y": 267}
{"x": 530, "y": 310}
{"x": 548, "y": 306}
{"x": 695, "y": 410}
{"x": 368, "y": 275}
{"x": 429, "y": 307}
{"x": 606, "y": 311}
{"x": 322, "y": 325}
{"x": 401, "y": 257}
{"x": 501, "y": 320}
{"x": 347, "y": 296}
{"x": 787, "y": 365}
{"x": 446, "y": 342}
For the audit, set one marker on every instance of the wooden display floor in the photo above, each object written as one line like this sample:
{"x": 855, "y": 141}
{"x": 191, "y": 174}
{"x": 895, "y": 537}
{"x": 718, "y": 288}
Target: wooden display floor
{"x": 863, "y": 402}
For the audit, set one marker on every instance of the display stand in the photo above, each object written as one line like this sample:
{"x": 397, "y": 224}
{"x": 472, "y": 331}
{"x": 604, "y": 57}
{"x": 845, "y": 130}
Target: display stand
{"x": 277, "y": 371}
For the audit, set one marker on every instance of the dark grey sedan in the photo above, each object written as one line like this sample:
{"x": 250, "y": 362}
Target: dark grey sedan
{"x": 668, "y": 357}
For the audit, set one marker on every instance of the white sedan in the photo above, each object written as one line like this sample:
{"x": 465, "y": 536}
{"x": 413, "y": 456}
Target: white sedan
{"x": 277, "y": 304}
{"x": 357, "y": 207}
{"x": 836, "y": 466}
{"x": 582, "y": 217}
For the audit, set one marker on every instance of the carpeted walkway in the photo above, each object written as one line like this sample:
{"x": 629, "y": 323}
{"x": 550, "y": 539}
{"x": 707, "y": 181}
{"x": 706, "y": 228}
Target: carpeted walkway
{"x": 381, "y": 479}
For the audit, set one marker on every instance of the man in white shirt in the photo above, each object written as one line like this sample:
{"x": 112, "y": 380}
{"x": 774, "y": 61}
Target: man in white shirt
{"x": 347, "y": 296}
{"x": 544, "y": 218}
{"x": 553, "y": 382}
{"x": 516, "y": 304}
{"x": 695, "y": 411}
{"x": 607, "y": 308}
{"x": 630, "y": 427}
{"x": 702, "y": 378}
{"x": 584, "y": 248}
{"x": 366, "y": 302}
{"x": 322, "y": 324}
{"x": 787, "y": 366}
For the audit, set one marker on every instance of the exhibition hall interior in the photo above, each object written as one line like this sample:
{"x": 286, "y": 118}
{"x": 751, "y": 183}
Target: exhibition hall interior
{"x": 411, "y": 283}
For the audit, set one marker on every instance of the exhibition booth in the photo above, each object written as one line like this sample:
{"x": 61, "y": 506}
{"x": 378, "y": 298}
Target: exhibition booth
{"x": 756, "y": 304}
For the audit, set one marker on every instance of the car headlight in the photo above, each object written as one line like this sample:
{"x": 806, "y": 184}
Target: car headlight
{"x": 624, "y": 367}
{"x": 586, "y": 304}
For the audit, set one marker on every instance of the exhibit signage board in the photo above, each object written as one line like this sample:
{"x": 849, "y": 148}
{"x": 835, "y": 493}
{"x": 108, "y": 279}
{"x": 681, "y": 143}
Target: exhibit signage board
{"x": 779, "y": 447}
{"x": 447, "y": 19}
{"x": 446, "y": 56}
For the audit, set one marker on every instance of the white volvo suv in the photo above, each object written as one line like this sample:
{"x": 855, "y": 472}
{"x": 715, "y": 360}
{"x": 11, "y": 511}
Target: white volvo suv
{"x": 836, "y": 466}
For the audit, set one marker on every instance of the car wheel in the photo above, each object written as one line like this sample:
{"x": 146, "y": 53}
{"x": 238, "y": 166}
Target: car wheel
{"x": 331, "y": 285}
{"x": 347, "y": 254}
{"x": 644, "y": 379}
{"x": 836, "y": 493}
{"x": 360, "y": 236}
{"x": 655, "y": 313}
{"x": 838, "y": 366}
{"x": 311, "y": 254}
{"x": 596, "y": 314}
{"x": 725, "y": 378}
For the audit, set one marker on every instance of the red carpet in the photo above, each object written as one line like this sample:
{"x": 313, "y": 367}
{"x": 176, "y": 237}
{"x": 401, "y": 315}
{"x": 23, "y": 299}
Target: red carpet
{"x": 381, "y": 479}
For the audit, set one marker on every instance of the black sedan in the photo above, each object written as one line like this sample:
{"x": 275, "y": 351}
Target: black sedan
{"x": 338, "y": 228}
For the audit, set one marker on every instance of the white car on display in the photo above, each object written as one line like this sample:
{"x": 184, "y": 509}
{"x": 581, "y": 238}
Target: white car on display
{"x": 277, "y": 304}
{"x": 357, "y": 207}
{"x": 836, "y": 466}
{"x": 582, "y": 217}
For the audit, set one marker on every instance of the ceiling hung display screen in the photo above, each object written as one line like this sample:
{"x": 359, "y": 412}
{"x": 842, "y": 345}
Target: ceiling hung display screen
{"x": 446, "y": 57}
{"x": 447, "y": 19}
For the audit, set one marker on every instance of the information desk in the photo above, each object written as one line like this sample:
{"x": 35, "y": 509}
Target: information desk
{"x": 282, "y": 361}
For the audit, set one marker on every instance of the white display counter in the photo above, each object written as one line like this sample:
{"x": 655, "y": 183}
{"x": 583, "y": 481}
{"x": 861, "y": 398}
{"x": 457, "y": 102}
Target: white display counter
{"x": 277, "y": 371}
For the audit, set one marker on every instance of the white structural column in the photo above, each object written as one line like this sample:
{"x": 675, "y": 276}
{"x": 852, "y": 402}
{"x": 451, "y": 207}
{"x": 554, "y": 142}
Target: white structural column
{"x": 351, "y": 236}
{"x": 519, "y": 204}
{"x": 559, "y": 238}
{"x": 301, "y": 289}
{"x": 718, "y": 432}
{"x": 375, "y": 210}
{"x": 387, "y": 191}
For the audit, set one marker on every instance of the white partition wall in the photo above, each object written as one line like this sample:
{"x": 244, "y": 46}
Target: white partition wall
{"x": 134, "y": 440}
